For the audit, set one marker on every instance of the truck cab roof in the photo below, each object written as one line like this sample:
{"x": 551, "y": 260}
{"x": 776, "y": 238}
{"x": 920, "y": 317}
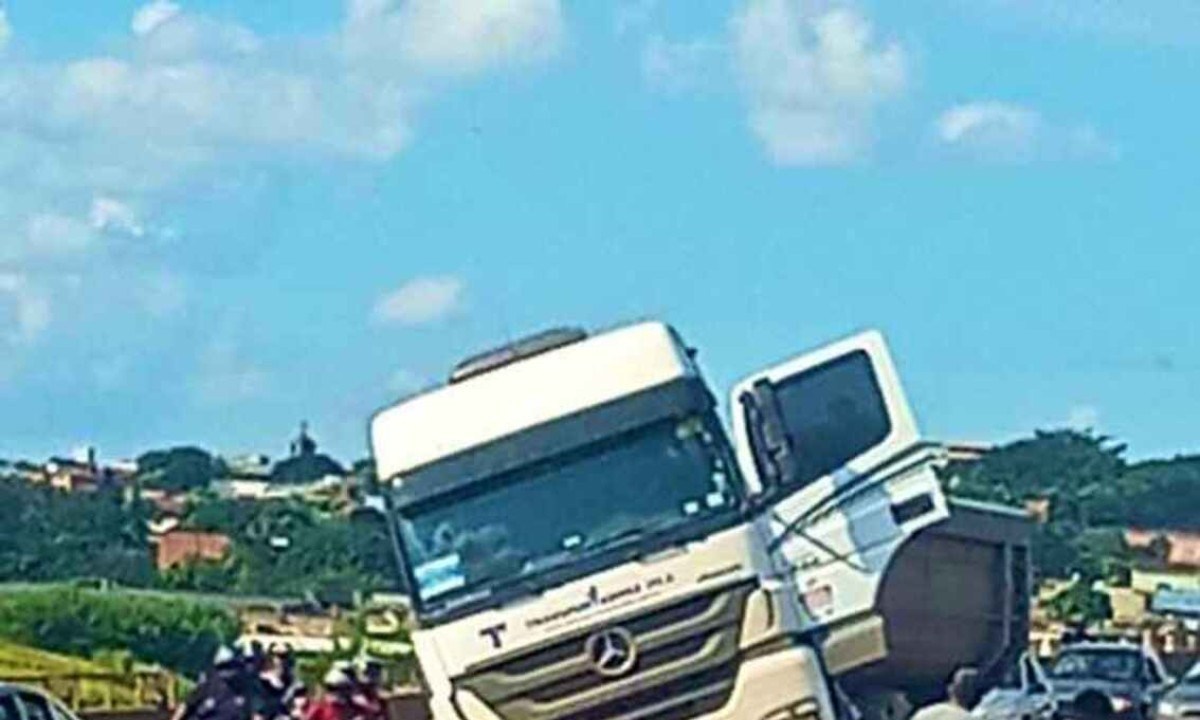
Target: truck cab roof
{"x": 496, "y": 399}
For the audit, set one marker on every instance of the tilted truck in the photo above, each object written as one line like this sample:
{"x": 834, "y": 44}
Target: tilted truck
{"x": 956, "y": 594}
{"x": 584, "y": 539}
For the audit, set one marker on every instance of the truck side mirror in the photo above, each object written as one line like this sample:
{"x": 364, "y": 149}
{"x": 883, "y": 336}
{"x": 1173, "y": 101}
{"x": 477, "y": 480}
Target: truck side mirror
{"x": 769, "y": 437}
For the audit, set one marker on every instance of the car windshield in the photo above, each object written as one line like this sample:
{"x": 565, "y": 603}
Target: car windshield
{"x": 1113, "y": 665}
{"x": 642, "y": 488}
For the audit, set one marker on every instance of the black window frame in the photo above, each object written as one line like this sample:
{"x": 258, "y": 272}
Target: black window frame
{"x": 805, "y": 476}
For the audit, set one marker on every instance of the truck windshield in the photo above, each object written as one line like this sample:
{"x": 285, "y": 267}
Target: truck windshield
{"x": 647, "y": 488}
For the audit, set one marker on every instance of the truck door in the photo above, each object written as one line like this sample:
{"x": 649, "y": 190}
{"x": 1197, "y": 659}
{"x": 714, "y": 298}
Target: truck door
{"x": 828, "y": 442}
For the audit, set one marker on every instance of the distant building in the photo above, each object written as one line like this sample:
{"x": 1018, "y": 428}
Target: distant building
{"x": 1182, "y": 549}
{"x": 1151, "y": 580}
{"x": 237, "y": 488}
{"x": 165, "y": 502}
{"x": 1039, "y": 509}
{"x": 1128, "y": 605}
{"x": 181, "y": 546}
{"x": 243, "y": 489}
{"x": 163, "y": 526}
{"x": 31, "y": 473}
{"x": 248, "y": 467}
{"x": 1176, "y": 603}
{"x": 71, "y": 475}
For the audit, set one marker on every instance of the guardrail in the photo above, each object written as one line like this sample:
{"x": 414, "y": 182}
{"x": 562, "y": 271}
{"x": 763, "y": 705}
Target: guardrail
{"x": 137, "y": 690}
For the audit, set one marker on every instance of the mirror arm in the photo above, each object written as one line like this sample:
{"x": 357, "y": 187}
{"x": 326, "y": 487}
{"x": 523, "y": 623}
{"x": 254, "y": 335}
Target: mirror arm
{"x": 770, "y": 429}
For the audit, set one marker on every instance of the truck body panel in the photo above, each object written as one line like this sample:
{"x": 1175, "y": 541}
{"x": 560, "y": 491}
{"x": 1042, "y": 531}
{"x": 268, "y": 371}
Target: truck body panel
{"x": 957, "y": 594}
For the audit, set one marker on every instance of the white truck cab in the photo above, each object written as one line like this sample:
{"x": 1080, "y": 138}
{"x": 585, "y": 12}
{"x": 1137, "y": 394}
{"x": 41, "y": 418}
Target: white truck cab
{"x": 584, "y": 541}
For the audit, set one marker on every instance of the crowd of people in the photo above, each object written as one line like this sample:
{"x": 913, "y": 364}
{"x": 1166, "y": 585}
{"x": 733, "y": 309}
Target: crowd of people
{"x": 261, "y": 684}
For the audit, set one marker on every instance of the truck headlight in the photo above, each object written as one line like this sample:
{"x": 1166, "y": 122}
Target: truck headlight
{"x": 1166, "y": 707}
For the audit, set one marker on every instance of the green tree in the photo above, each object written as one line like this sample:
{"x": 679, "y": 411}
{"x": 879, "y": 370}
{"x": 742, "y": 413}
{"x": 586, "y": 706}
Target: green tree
{"x": 50, "y": 535}
{"x": 178, "y": 469}
{"x": 1081, "y": 605}
{"x": 1079, "y": 473}
{"x": 1167, "y": 493}
{"x": 302, "y": 469}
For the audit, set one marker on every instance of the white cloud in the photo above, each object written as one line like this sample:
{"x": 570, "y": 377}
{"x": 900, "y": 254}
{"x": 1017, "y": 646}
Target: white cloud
{"x": 5, "y": 28}
{"x": 225, "y": 377}
{"x": 151, "y": 16}
{"x": 994, "y": 128}
{"x": 28, "y": 309}
{"x": 1157, "y": 22}
{"x": 190, "y": 92}
{"x": 1006, "y": 132}
{"x": 55, "y": 235}
{"x": 64, "y": 238}
{"x": 813, "y": 76}
{"x": 420, "y": 301}
{"x": 91, "y": 145}
{"x": 682, "y": 66}
{"x": 110, "y": 214}
{"x": 1083, "y": 417}
{"x": 454, "y": 36}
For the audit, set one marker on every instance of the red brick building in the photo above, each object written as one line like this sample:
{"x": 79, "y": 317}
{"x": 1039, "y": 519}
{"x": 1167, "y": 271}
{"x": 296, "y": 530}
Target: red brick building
{"x": 180, "y": 546}
{"x": 1182, "y": 548}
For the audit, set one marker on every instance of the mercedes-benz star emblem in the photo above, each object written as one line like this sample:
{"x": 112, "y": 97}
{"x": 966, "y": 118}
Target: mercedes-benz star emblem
{"x": 612, "y": 652}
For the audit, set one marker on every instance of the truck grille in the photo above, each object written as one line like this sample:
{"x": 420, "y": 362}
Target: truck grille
{"x": 686, "y": 663}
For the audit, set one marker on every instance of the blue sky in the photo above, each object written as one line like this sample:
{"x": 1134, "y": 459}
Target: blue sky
{"x": 223, "y": 217}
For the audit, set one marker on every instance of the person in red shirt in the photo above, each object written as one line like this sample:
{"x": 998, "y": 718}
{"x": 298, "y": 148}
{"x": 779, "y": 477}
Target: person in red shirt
{"x": 337, "y": 702}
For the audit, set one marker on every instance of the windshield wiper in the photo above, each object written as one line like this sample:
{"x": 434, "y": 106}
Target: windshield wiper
{"x": 640, "y": 537}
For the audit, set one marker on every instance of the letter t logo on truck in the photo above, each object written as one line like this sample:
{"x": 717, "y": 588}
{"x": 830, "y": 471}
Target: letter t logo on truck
{"x": 493, "y": 634}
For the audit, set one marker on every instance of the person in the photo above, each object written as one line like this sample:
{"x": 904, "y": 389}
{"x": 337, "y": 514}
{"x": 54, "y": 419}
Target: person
{"x": 222, "y": 695}
{"x": 369, "y": 695}
{"x": 1091, "y": 705}
{"x": 275, "y": 683}
{"x": 250, "y": 683}
{"x": 337, "y": 702}
{"x": 298, "y": 702}
{"x": 962, "y": 694}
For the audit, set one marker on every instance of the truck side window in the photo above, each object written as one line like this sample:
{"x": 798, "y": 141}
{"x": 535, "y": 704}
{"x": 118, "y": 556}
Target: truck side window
{"x": 834, "y": 413}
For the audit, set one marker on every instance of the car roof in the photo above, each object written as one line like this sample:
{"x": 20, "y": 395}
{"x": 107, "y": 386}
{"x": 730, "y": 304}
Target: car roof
{"x": 1110, "y": 645}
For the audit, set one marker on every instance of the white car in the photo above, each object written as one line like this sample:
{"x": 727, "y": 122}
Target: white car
{"x": 1183, "y": 700}
{"x": 18, "y": 702}
{"x": 1023, "y": 694}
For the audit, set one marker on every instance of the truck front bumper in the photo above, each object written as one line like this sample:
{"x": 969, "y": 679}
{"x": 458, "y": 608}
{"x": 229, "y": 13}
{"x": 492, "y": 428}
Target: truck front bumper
{"x": 784, "y": 685}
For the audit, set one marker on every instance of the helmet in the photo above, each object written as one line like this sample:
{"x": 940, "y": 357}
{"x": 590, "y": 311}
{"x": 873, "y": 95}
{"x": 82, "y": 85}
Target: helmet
{"x": 337, "y": 677}
{"x": 225, "y": 657}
